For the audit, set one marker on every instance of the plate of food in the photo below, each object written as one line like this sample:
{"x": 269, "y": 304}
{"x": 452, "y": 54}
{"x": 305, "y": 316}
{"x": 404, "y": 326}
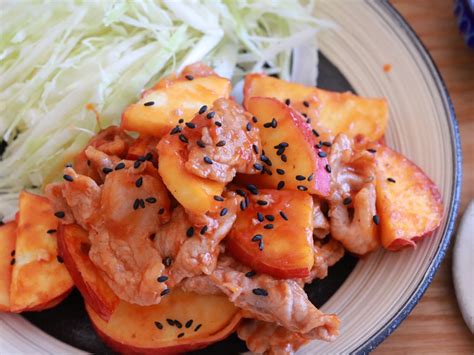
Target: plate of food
{"x": 209, "y": 178}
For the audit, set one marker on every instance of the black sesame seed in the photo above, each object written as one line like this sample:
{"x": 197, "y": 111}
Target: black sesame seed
{"x": 211, "y": 115}
{"x": 197, "y": 327}
{"x": 180, "y": 120}
{"x": 170, "y": 321}
{"x": 178, "y": 324}
{"x": 261, "y": 245}
{"x": 68, "y": 178}
{"x": 268, "y": 226}
{"x": 189, "y": 323}
{"x": 242, "y": 205}
{"x": 315, "y": 132}
{"x": 371, "y": 150}
{"x": 141, "y": 202}
{"x": 304, "y": 115}
{"x": 136, "y": 204}
{"x": 280, "y": 171}
{"x": 136, "y": 165}
{"x": 204, "y": 230}
{"x": 152, "y": 236}
{"x": 107, "y": 170}
{"x": 255, "y": 148}
{"x": 287, "y": 102}
{"x": 267, "y": 171}
{"x": 207, "y": 160}
{"x": 280, "y": 185}
{"x": 302, "y": 188}
{"x": 189, "y": 77}
{"x": 267, "y": 125}
{"x": 284, "y": 158}
{"x": 202, "y": 109}
{"x": 190, "y": 125}
{"x": 200, "y": 143}
{"x": 88, "y": 162}
{"x": 223, "y": 212}
{"x": 139, "y": 182}
{"x": 180, "y": 335}
{"x": 59, "y": 259}
{"x": 218, "y": 123}
{"x": 59, "y": 214}
{"x": 308, "y": 120}
{"x": 274, "y": 123}
{"x": 218, "y": 198}
{"x": 376, "y": 219}
{"x": 266, "y": 160}
{"x": 322, "y": 154}
{"x": 190, "y": 232}
{"x": 247, "y": 201}
{"x": 141, "y": 159}
{"x": 161, "y": 211}
{"x": 250, "y": 274}
{"x": 262, "y": 202}
{"x": 150, "y": 200}
{"x": 270, "y": 217}
{"x": 183, "y": 138}
{"x": 240, "y": 192}
{"x": 253, "y": 189}
{"x": 258, "y": 167}
{"x": 175, "y": 130}
{"x": 167, "y": 261}
{"x": 319, "y": 145}
{"x": 260, "y": 292}
{"x": 165, "y": 292}
{"x": 260, "y": 216}
{"x": 283, "y": 215}
{"x": 149, "y": 103}
{"x": 12, "y": 262}
{"x": 391, "y": 180}
{"x": 248, "y": 127}
{"x": 328, "y": 168}
{"x": 254, "y": 119}
{"x": 220, "y": 144}
{"x": 68, "y": 165}
{"x": 162, "y": 278}
{"x": 280, "y": 151}
{"x": 310, "y": 177}
{"x": 51, "y": 231}
{"x": 306, "y": 103}
{"x": 326, "y": 144}
{"x": 159, "y": 325}
{"x": 300, "y": 177}
{"x": 256, "y": 238}
{"x": 347, "y": 201}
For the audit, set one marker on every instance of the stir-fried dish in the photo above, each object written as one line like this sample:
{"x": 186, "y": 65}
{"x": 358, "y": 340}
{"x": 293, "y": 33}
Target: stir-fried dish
{"x": 199, "y": 216}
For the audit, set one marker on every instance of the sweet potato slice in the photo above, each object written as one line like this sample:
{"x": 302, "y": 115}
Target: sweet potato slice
{"x": 193, "y": 192}
{"x": 160, "y": 108}
{"x": 7, "y": 253}
{"x": 38, "y": 276}
{"x": 289, "y": 144}
{"x": 285, "y": 250}
{"x": 408, "y": 202}
{"x": 181, "y": 322}
{"x": 74, "y": 246}
{"x": 330, "y": 113}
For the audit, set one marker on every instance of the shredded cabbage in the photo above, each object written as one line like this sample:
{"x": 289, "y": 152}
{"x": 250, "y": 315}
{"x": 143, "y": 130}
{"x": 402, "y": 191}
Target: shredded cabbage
{"x": 58, "y": 56}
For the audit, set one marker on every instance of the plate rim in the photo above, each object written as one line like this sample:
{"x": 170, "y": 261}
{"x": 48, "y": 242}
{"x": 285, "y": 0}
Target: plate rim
{"x": 393, "y": 323}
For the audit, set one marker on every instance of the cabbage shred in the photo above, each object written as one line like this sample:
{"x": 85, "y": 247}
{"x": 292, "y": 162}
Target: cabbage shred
{"x": 58, "y": 56}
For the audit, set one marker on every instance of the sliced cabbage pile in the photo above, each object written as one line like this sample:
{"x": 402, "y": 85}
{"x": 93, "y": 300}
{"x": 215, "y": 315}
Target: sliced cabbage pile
{"x": 56, "y": 57}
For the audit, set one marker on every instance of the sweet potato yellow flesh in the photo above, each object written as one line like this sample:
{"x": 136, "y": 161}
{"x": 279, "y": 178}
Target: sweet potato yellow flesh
{"x": 202, "y": 319}
{"x": 74, "y": 246}
{"x": 287, "y": 249}
{"x": 192, "y": 192}
{"x": 160, "y": 109}
{"x": 38, "y": 276}
{"x": 7, "y": 251}
{"x": 408, "y": 202}
{"x": 330, "y": 113}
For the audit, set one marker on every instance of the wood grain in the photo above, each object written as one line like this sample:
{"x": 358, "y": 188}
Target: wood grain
{"x": 436, "y": 326}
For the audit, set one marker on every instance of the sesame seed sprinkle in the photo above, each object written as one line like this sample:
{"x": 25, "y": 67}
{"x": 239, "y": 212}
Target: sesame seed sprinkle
{"x": 280, "y": 171}
{"x": 107, "y": 170}
{"x": 161, "y": 210}
{"x": 167, "y": 261}
{"x": 255, "y": 148}
{"x": 250, "y": 274}
{"x": 266, "y": 160}
{"x": 267, "y": 125}
{"x": 315, "y": 132}
{"x": 51, "y": 231}
{"x": 223, "y": 212}
{"x": 159, "y": 325}
{"x": 242, "y": 205}
{"x": 190, "y": 232}
{"x": 260, "y": 292}
{"x": 139, "y": 182}
{"x": 60, "y": 259}
{"x": 281, "y": 184}
{"x": 284, "y": 158}
{"x": 180, "y": 335}
{"x": 347, "y": 201}
{"x": 141, "y": 203}
{"x": 197, "y": 327}
{"x": 248, "y": 127}
{"x": 274, "y": 123}
{"x": 326, "y": 144}
{"x": 190, "y": 125}
{"x": 218, "y": 198}
{"x": 376, "y": 219}
{"x": 170, "y": 321}
{"x": 204, "y": 230}
{"x": 256, "y": 237}
{"x": 218, "y": 123}
{"x": 302, "y": 188}
{"x": 149, "y": 103}
{"x": 300, "y": 177}
{"x": 283, "y": 215}
{"x": 268, "y": 226}
{"x": 310, "y": 177}
{"x": 391, "y": 180}
{"x": 12, "y": 262}
{"x": 136, "y": 165}
{"x": 270, "y": 217}
{"x": 175, "y": 130}
{"x": 253, "y": 189}
{"x": 68, "y": 178}
{"x": 322, "y": 154}
{"x": 200, "y": 143}
{"x": 189, "y": 77}
{"x": 258, "y": 167}
{"x": 260, "y": 216}
{"x": 162, "y": 278}
{"x": 306, "y": 103}
{"x": 189, "y": 323}
{"x": 207, "y": 160}
{"x": 254, "y": 119}
{"x": 183, "y": 138}
{"x": 60, "y": 214}
{"x": 165, "y": 292}
{"x": 136, "y": 204}
{"x": 287, "y": 102}
{"x": 180, "y": 120}
{"x": 210, "y": 115}
{"x": 220, "y": 143}
{"x": 261, "y": 245}
{"x": 262, "y": 202}
{"x": 371, "y": 150}
{"x": 240, "y": 192}
{"x": 328, "y": 168}
{"x": 202, "y": 109}
{"x": 150, "y": 200}
{"x": 247, "y": 201}
{"x": 280, "y": 151}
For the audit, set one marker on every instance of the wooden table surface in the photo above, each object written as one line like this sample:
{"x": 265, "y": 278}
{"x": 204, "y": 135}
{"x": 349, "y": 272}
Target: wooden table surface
{"x": 436, "y": 326}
